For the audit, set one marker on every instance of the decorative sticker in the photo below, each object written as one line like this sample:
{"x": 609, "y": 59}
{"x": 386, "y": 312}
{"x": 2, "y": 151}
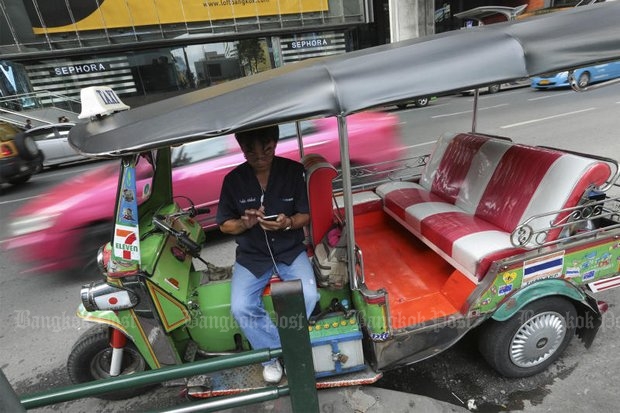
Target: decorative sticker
{"x": 548, "y": 266}
{"x": 588, "y": 275}
{"x": 128, "y": 208}
{"x": 505, "y": 289}
{"x": 126, "y": 245}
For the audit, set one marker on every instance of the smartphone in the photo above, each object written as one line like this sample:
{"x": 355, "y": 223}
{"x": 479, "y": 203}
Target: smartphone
{"x": 270, "y": 217}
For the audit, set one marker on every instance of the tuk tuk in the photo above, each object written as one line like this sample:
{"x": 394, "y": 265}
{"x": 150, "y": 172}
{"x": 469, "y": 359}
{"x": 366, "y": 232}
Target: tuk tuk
{"x": 483, "y": 233}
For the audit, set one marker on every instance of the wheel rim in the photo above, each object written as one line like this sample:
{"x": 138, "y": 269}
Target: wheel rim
{"x": 422, "y": 102}
{"x": 537, "y": 339}
{"x": 584, "y": 79}
{"x": 31, "y": 146}
{"x": 100, "y": 364}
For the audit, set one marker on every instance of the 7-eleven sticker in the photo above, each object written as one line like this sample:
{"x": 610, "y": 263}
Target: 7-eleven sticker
{"x": 126, "y": 243}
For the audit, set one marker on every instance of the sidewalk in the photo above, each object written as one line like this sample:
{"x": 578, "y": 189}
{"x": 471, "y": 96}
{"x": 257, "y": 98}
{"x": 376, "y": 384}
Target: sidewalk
{"x": 363, "y": 399}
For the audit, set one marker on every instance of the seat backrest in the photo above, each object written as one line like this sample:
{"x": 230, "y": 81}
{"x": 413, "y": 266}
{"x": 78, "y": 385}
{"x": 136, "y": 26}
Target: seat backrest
{"x": 505, "y": 183}
{"x": 319, "y": 177}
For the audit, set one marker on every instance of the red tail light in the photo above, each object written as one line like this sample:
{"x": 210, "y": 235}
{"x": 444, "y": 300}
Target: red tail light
{"x": 5, "y": 150}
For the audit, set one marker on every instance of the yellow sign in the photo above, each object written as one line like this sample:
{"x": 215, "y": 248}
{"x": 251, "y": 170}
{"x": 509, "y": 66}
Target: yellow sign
{"x": 113, "y": 14}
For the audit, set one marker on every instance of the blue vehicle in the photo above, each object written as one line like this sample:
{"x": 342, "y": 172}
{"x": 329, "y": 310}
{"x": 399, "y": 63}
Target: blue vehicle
{"x": 584, "y": 76}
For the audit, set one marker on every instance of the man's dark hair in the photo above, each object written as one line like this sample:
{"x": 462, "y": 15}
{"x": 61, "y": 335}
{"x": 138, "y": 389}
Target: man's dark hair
{"x": 263, "y": 135}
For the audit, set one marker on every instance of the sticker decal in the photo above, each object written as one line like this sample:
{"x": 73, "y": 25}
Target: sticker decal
{"x": 126, "y": 243}
{"x": 588, "y": 275}
{"x": 573, "y": 272}
{"x": 505, "y": 289}
{"x": 547, "y": 266}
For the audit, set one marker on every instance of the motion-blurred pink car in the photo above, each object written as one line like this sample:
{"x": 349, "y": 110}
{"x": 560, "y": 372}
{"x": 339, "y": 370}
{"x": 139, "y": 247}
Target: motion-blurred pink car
{"x": 62, "y": 230}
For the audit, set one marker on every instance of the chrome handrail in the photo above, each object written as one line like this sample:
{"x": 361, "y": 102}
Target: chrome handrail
{"x": 576, "y": 224}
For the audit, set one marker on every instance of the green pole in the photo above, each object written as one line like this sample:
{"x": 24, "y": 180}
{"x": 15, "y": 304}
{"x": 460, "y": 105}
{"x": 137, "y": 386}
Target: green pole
{"x": 97, "y": 387}
{"x": 288, "y": 301}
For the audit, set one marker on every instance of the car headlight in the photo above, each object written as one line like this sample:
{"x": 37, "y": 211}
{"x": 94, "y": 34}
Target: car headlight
{"x": 28, "y": 224}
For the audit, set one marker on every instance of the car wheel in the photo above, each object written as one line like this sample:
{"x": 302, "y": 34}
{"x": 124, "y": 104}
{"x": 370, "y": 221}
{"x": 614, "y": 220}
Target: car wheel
{"x": 19, "y": 180}
{"x": 26, "y": 146}
{"x": 421, "y": 102}
{"x": 90, "y": 359}
{"x": 532, "y": 339}
{"x": 495, "y": 88}
{"x": 584, "y": 79}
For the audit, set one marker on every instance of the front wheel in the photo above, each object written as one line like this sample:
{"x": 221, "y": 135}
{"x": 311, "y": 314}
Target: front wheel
{"x": 532, "y": 339}
{"x": 90, "y": 360}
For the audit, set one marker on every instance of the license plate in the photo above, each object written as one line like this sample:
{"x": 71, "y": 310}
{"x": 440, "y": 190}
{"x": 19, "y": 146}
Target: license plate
{"x": 544, "y": 82}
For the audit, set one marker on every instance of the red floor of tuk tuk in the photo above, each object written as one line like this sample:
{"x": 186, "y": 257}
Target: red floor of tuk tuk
{"x": 421, "y": 285}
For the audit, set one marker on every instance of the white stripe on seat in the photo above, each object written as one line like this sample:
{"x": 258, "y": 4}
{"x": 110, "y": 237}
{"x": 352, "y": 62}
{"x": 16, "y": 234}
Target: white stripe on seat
{"x": 416, "y": 213}
{"x": 470, "y": 249}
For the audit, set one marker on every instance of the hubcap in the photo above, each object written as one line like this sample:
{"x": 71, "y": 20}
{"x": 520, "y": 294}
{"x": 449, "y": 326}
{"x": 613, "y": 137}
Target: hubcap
{"x": 537, "y": 339}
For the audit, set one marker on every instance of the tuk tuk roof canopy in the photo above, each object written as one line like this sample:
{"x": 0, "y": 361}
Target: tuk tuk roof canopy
{"x": 365, "y": 79}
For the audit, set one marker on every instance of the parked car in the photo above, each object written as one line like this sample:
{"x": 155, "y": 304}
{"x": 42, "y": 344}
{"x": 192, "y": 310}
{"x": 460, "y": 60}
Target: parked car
{"x": 584, "y": 76}
{"x": 20, "y": 158}
{"x": 52, "y": 141}
{"x": 63, "y": 229}
{"x": 417, "y": 102}
{"x": 496, "y": 87}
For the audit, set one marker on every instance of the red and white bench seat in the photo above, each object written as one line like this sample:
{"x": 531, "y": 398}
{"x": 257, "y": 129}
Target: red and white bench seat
{"x": 476, "y": 189}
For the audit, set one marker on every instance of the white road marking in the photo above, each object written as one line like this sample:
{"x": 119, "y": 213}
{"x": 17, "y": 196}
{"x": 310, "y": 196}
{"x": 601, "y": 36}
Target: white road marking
{"x": 18, "y": 200}
{"x": 546, "y": 118}
{"x": 550, "y": 95}
{"x": 468, "y": 111}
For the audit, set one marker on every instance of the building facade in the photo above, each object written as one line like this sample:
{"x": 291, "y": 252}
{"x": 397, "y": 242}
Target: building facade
{"x": 148, "y": 50}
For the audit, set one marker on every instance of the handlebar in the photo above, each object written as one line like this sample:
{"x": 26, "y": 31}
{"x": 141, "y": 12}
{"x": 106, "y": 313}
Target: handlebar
{"x": 190, "y": 246}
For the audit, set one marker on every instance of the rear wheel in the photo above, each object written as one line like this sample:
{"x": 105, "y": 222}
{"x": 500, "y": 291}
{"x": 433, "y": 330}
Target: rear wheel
{"x": 532, "y": 339}
{"x": 421, "y": 102}
{"x": 494, "y": 88}
{"x": 26, "y": 146}
{"x": 19, "y": 180}
{"x": 584, "y": 79}
{"x": 90, "y": 360}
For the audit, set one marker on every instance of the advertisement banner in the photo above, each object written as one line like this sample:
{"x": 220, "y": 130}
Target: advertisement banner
{"x": 55, "y": 16}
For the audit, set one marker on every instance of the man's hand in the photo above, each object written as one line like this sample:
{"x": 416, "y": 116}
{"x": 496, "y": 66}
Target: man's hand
{"x": 281, "y": 223}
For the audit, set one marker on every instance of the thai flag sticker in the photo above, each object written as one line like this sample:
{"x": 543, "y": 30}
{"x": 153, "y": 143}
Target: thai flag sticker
{"x": 548, "y": 266}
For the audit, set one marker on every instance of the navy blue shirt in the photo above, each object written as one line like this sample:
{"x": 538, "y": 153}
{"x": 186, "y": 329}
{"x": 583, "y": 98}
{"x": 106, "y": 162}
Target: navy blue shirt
{"x": 285, "y": 194}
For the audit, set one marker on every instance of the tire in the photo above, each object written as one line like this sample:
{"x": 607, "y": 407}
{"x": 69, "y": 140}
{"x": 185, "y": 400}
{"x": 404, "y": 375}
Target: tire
{"x": 532, "y": 339}
{"x": 90, "y": 360}
{"x": 26, "y": 146}
{"x": 494, "y": 88}
{"x": 421, "y": 102}
{"x": 19, "y": 180}
{"x": 584, "y": 79}
{"x": 402, "y": 106}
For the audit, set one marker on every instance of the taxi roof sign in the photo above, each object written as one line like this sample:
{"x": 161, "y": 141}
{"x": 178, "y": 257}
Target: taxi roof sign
{"x": 99, "y": 101}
